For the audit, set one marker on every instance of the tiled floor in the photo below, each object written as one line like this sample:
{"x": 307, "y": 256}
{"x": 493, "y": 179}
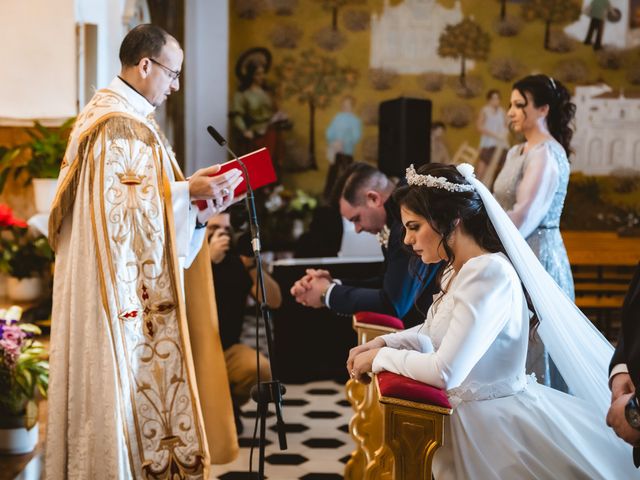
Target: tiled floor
{"x": 317, "y": 417}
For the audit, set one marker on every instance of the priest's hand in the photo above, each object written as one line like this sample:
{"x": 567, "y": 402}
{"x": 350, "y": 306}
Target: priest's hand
{"x": 206, "y": 184}
{"x": 617, "y": 420}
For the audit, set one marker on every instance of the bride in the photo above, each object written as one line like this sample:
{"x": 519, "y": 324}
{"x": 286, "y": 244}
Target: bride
{"x": 473, "y": 344}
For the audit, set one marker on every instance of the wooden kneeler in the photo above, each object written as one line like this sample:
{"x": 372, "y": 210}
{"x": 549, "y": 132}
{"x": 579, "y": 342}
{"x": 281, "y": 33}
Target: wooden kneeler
{"x": 365, "y": 426}
{"x": 413, "y": 428}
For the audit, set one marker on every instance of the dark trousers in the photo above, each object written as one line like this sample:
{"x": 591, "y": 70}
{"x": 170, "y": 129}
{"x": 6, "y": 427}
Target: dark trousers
{"x": 596, "y": 25}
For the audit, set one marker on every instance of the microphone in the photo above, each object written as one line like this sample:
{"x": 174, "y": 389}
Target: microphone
{"x": 217, "y": 137}
{"x": 250, "y": 202}
{"x": 264, "y": 392}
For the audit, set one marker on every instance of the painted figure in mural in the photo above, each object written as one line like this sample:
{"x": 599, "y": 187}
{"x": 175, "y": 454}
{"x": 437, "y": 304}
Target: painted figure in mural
{"x": 439, "y": 149}
{"x": 533, "y": 184}
{"x": 473, "y": 344}
{"x": 492, "y": 124}
{"x": 344, "y": 131}
{"x": 597, "y": 11}
{"x": 138, "y": 381}
{"x": 254, "y": 110}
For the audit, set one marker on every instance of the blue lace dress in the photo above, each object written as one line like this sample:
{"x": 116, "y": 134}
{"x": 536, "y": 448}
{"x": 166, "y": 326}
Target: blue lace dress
{"x": 536, "y": 209}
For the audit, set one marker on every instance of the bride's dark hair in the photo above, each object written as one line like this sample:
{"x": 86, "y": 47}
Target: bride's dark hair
{"x": 442, "y": 209}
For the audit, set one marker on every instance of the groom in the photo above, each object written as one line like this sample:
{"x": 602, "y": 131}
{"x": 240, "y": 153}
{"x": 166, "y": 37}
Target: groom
{"x": 624, "y": 413}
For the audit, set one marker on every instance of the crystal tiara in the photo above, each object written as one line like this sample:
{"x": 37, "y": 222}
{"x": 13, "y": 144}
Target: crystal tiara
{"x": 414, "y": 178}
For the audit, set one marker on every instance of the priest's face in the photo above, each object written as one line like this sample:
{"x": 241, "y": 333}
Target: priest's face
{"x": 163, "y": 76}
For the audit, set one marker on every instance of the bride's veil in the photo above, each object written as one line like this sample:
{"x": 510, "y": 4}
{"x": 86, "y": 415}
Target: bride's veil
{"x": 581, "y": 353}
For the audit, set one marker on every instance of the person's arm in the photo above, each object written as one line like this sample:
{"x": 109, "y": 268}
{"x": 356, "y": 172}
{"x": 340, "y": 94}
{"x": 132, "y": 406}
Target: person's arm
{"x": 400, "y": 284}
{"x": 535, "y": 191}
{"x": 272, "y": 289}
{"x": 188, "y": 240}
{"x": 188, "y": 220}
{"x": 482, "y": 307}
{"x": 409, "y": 339}
{"x": 480, "y": 122}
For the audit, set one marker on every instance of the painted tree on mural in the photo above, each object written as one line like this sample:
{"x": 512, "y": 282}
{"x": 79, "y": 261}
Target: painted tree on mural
{"x": 313, "y": 79}
{"x": 551, "y": 11}
{"x": 334, "y": 6}
{"x": 464, "y": 40}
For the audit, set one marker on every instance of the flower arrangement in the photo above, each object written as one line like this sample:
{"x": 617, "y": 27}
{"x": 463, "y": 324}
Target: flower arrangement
{"x": 284, "y": 217}
{"x": 22, "y": 255}
{"x": 24, "y": 367}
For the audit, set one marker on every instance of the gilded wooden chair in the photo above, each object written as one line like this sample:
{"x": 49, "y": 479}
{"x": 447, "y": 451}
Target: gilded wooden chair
{"x": 412, "y": 428}
{"x": 365, "y": 426}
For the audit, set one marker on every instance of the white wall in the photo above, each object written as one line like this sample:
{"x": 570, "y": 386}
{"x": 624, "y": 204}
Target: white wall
{"x": 107, "y": 14}
{"x": 39, "y": 55}
{"x": 38, "y": 60}
{"x": 206, "y": 78}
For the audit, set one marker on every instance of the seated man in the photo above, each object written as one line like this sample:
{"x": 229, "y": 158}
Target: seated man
{"x": 366, "y": 201}
{"x": 235, "y": 276}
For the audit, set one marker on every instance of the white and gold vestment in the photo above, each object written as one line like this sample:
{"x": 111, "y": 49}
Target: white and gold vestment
{"x": 138, "y": 382}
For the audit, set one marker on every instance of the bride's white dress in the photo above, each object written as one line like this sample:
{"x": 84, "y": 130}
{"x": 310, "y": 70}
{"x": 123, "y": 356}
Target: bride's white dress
{"x": 504, "y": 425}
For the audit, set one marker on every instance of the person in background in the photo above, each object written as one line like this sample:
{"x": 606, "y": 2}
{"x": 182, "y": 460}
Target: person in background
{"x": 344, "y": 131}
{"x": 533, "y": 184}
{"x": 366, "y": 200}
{"x": 439, "y": 149}
{"x": 492, "y": 125}
{"x": 597, "y": 12}
{"x": 235, "y": 279}
{"x": 624, "y": 378}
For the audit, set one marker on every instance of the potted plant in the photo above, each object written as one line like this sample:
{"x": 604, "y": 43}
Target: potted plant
{"x": 40, "y": 159}
{"x": 24, "y": 377}
{"x": 24, "y": 257}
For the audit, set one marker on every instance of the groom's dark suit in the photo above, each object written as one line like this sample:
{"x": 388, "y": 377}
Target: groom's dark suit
{"x": 628, "y": 350}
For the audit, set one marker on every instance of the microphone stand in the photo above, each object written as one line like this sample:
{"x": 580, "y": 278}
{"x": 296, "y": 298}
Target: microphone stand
{"x": 263, "y": 393}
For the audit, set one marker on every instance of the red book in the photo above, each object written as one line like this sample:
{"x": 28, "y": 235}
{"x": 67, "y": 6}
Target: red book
{"x": 260, "y": 170}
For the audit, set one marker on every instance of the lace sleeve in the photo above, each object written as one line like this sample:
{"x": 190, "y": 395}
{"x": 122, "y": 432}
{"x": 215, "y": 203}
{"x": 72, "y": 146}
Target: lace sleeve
{"x": 482, "y": 298}
{"x": 535, "y": 191}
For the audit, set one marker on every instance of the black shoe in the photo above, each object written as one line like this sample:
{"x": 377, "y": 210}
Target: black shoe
{"x": 237, "y": 416}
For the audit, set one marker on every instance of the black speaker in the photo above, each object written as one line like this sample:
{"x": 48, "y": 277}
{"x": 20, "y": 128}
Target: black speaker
{"x": 404, "y": 135}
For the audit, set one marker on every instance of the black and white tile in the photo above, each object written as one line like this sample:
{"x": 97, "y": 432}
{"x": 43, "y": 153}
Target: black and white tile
{"x": 317, "y": 416}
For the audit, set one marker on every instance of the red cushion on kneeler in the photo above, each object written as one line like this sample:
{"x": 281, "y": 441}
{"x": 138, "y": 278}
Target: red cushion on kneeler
{"x": 404, "y": 388}
{"x": 380, "y": 319}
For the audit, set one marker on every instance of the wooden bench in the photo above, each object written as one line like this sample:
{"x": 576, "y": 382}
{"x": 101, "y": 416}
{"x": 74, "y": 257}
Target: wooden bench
{"x": 602, "y": 264}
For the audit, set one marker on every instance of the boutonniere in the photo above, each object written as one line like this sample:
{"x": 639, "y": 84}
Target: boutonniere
{"x": 383, "y": 236}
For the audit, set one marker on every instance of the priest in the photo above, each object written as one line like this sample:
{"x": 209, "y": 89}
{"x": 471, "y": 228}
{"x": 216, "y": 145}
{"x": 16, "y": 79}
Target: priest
{"x": 138, "y": 381}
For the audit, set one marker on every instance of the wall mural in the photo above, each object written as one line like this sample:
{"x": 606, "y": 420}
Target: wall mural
{"x": 327, "y": 65}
